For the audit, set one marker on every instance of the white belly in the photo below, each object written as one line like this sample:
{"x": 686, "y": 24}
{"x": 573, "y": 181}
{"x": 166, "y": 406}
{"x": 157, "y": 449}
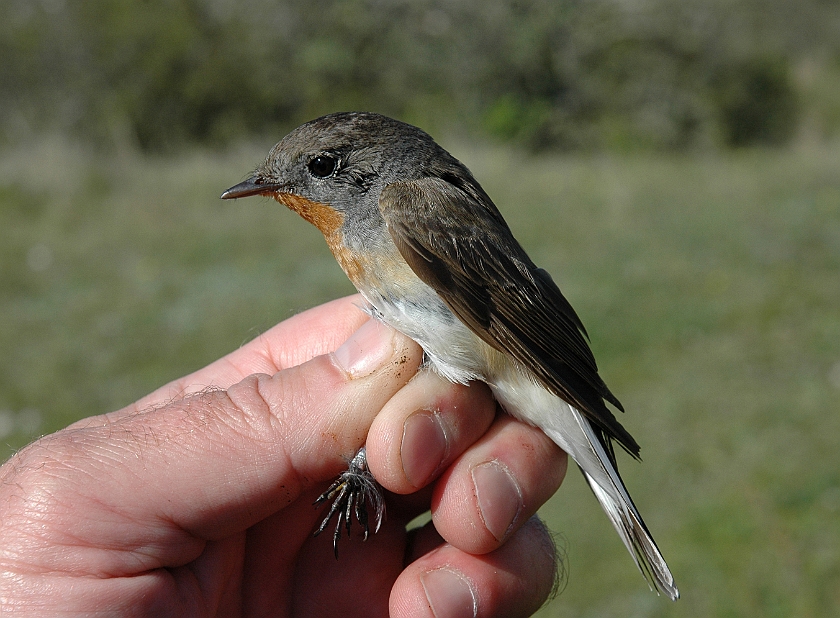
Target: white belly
{"x": 451, "y": 348}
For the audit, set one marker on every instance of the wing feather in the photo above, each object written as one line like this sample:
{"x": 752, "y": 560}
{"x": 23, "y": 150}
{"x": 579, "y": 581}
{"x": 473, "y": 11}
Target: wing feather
{"x": 455, "y": 240}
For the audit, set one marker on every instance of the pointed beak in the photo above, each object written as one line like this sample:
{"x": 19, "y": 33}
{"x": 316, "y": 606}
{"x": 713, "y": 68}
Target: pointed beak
{"x": 252, "y": 186}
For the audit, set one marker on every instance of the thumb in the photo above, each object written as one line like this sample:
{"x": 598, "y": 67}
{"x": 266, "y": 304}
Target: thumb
{"x": 280, "y": 434}
{"x": 206, "y": 466}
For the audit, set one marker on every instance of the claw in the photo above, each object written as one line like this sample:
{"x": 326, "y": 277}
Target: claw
{"x": 350, "y": 494}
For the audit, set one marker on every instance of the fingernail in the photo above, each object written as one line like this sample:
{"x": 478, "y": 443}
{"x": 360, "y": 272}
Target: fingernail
{"x": 449, "y": 594}
{"x": 424, "y": 446}
{"x": 368, "y": 349}
{"x": 499, "y": 497}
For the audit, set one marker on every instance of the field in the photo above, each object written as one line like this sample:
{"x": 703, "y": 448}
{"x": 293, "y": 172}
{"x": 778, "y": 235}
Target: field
{"x": 710, "y": 285}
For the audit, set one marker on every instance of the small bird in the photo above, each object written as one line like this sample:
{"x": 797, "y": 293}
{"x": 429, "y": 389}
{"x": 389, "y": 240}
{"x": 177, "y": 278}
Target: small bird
{"x": 433, "y": 257}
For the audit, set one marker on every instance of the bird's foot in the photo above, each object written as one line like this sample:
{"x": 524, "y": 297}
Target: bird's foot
{"x": 350, "y": 494}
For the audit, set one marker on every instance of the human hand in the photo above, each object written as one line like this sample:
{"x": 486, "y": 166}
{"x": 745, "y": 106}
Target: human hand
{"x": 197, "y": 499}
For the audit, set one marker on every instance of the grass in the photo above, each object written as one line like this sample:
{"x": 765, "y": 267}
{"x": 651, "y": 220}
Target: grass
{"x": 710, "y": 286}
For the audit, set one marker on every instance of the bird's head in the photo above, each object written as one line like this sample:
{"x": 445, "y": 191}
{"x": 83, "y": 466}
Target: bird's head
{"x": 343, "y": 161}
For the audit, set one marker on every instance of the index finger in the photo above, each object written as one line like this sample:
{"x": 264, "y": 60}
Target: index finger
{"x": 292, "y": 342}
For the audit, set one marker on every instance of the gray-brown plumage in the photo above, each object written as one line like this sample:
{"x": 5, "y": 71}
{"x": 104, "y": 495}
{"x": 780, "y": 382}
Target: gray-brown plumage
{"x": 430, "y": 252}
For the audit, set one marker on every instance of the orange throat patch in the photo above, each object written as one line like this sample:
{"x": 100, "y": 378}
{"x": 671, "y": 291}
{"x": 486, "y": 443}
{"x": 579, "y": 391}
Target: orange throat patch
{"x": 323, "y": 216}
{"x": 329, "y": 221}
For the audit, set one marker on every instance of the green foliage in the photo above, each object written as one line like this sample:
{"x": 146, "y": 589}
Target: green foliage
{"x": 757, "y": 103}
{"x": 560, "y": 74}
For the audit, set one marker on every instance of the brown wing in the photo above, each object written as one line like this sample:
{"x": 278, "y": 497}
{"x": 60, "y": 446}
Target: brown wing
{"x": 457, "y": 242}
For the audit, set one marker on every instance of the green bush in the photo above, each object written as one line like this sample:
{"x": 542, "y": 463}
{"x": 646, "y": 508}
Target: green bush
{"x": 757, "y": 103}
{"x": 558, "y": 74}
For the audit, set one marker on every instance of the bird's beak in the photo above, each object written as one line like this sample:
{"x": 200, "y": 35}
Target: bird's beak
{"x": 252, "y": 186}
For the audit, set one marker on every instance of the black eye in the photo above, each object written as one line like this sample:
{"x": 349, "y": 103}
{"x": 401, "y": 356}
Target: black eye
{"x": 322, "y": 166}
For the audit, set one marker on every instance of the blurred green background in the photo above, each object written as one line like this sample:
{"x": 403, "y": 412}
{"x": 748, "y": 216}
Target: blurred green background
{"x": 675, "y": 164}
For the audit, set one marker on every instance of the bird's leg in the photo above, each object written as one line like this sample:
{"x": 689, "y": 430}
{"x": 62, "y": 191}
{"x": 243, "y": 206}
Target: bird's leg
{"x": 350, "y": 493}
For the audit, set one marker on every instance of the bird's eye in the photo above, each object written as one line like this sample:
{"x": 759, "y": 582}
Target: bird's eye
{"x": 322, "y": 166}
